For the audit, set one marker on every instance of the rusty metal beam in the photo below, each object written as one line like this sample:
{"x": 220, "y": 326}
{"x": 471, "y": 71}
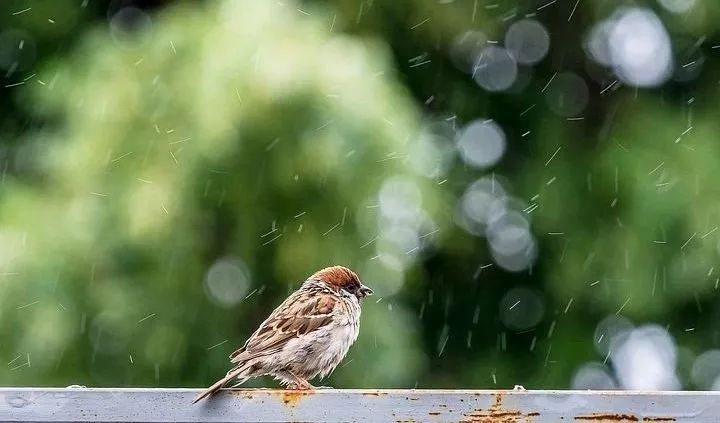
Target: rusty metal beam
{"x": 260, "y": 405}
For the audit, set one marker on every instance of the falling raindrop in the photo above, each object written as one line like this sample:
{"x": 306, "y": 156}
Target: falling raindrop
{"x": 17, "y": 50}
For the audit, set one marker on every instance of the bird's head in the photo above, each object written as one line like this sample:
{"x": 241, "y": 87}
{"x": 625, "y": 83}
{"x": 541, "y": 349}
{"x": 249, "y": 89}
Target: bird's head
{"x": 342, "y": 278}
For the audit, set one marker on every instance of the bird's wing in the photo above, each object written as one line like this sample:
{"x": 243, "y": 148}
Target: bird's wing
{"x": 298, "y": 315}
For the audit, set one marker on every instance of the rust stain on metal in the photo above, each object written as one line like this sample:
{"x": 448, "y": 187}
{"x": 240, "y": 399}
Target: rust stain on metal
{"x": 610, "y": 418}
{"x": 497, "y": 414}
{"x": 243, "y": 394}
{"x": 291, "y": 398}
{"x": 613, "y": 418}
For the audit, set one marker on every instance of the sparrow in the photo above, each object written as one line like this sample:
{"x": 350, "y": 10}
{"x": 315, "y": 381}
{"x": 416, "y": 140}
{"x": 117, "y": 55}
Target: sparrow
{"x": 305, "y": 336}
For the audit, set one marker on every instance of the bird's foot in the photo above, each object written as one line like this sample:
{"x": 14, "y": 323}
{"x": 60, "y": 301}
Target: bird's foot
{"x": 300, "y": 385}
{"x": 293, "y": 382}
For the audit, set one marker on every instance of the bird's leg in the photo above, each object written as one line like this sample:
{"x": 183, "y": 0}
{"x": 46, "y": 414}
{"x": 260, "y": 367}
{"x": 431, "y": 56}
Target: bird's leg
{"x": 298, "y": 383}
{"x": 301, "y": 385}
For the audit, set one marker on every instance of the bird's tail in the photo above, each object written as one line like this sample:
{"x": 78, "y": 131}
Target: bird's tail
{"x": 220, "y": 383}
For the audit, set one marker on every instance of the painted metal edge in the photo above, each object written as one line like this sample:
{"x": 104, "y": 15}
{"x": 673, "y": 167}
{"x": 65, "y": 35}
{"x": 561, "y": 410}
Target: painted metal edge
{"x": 372, "y": 405}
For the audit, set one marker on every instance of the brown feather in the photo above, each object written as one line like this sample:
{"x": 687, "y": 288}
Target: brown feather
{"x": 336, "y": 276}
{"x": 297, "y": 315}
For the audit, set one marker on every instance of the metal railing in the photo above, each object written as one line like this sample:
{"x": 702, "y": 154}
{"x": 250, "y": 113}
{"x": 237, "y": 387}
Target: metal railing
{"x": 367, "y": 405}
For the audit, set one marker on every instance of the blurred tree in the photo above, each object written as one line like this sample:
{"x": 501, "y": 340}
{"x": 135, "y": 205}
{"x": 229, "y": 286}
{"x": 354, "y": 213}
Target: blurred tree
{"x": 172, "y": 177}
{"x": 223, "y": 153}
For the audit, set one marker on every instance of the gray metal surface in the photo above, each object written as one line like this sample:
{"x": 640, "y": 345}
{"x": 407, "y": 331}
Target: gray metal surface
{"x": 253, "y": 405}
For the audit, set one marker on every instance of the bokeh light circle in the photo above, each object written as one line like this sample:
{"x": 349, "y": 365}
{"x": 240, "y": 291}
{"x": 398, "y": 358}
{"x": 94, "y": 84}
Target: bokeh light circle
{"x": 521, "y": 308}
{"x": 706, "y": 370}
{"x": 567, "y": 94}
{"x": 400, "y": 198}
{"x": 130, "y": 27}
{"x": 227, "y": 281}
{"x": 481, "y": 143}
{"x": 609, "y": 328}
{"x": 593, "y": 376}
{"x": 645, "y": 359}
{"x": 677, "y": 6}
{"x": 511, "y": 244}
{"x": 495, "y": 69}
{"x": 465, "y": 49}
{"x": 528, "y": 41}
{"x": 640, "y": 48}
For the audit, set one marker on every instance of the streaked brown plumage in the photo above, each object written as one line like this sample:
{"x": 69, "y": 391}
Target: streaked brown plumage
{"x": 305, "y": 336}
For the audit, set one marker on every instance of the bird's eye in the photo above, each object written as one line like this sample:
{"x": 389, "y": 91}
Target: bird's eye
{"x": 352, "y": 287}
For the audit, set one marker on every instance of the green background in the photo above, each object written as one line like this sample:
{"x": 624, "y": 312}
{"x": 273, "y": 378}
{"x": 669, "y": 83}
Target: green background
{"x": 169, "y": 175}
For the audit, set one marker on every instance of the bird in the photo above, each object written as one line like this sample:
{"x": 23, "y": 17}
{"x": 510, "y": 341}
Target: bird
{"x": 306, "y": 336}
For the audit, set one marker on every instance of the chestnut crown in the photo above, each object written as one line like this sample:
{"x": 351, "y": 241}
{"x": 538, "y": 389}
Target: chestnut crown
{"x": 340, "y": 277}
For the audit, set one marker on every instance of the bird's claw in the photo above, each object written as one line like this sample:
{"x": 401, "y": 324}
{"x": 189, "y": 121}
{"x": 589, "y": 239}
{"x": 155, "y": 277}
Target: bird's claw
{"x": 300, "y": 387}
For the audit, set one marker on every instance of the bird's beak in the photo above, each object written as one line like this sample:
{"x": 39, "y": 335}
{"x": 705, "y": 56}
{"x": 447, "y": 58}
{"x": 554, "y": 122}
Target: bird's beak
{"x": 364, "y": 291}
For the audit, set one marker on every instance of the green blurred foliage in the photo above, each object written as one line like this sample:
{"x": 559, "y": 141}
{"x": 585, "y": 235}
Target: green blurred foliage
{"x": 238, "y": 131}
{"x": 259, "y": 139}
